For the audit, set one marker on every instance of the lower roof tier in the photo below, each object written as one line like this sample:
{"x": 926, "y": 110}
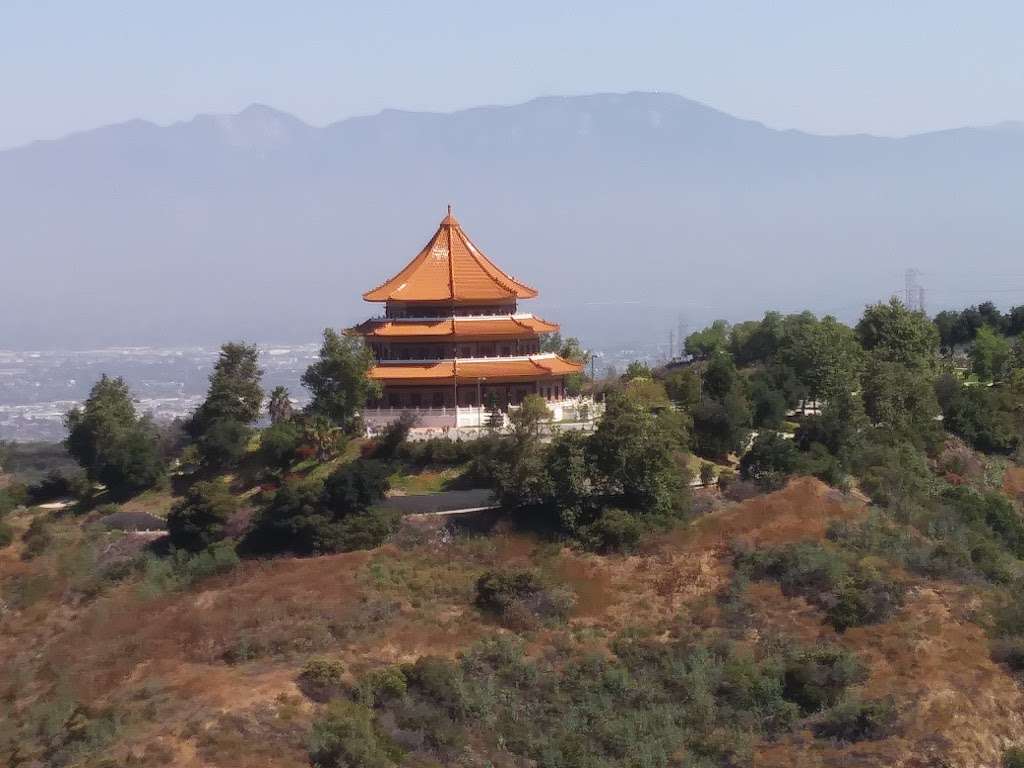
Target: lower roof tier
{"x": 511, "y": 326}
{"x": 450, "y": 371}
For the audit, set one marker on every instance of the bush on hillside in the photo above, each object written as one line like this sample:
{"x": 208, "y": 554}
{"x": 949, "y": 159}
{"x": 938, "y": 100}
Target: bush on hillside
{"x": 37, "y": 539}
{"x": 322, "y": 679}
{"x": 279, "y": 444}
{"x": 311, "y": 517}
{"x": 857, "y": 720}
{"x": 223, "y": 443}
{"x": 58, "y": 485}
{"x": 850, "y": 594}
{"x": 522, "y": 598}
{"x": 393, "y": 436}
{"x": 441, "y": 451}
{"x": 815, "y": 679}
{"x": 199, "y": 520}
{"x": 12, "y": 497}
{"x": 770, "y": 460}
{"x": 6, "y": 534}
{"x": 345, "y": 736}
{"x": 381, "y": 685}
{"x": 614, "y": 531}
{"x": 355, "y": 487}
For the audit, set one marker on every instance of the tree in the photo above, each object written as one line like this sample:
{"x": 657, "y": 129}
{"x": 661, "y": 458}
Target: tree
{"x": 703, "y": 343}
{"x": 720, "y": 376}
{"x": 111, "y": 443}
{"x": 355, "y": 487}
{"x": 339, "y": 380}
{"x": 311, "y": 516}
{"x": 199, "y": 519}
{"x": 757, "y": 342}
{"x": 234, "y": 393}
{"x": 571, "y": 349}
{"x": 683, "y": 386}
{"x": 279, "y": 406}
{"x": 223, "y": 443}
{"x": 895, "y": 334}
{"x": 323, "y": 435}
{"x": 637, "y": 370}
{"x": 770, "y": 460}
{"x": 901, "y": 401}
{"x": 650, "y": 392}
{"x": 551, "y": 342}
{"x": 633, "y": 452}
{"x": 720, "y": 427}
{"x": 279, "y": 444}
{"x": 990, "y": 354}
{"x": 529, "y": 418}
{"x": 824, "y": 354}
{"x": 984, "y": 417}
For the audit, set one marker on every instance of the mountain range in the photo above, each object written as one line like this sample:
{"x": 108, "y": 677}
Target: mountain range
{"x": 630, "y": 212}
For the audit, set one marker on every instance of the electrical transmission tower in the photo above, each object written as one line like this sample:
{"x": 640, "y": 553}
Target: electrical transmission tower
{"x": 913, "y": 292}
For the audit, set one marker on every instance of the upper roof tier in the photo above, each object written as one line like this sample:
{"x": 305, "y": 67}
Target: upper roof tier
{"x": 450, "y": 268}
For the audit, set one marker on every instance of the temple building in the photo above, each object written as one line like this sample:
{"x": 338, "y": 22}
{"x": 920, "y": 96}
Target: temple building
{"x": 452, "y": 341}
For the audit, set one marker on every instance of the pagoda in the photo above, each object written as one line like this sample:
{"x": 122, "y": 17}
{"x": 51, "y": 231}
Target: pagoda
{"x": 452, "y": 341}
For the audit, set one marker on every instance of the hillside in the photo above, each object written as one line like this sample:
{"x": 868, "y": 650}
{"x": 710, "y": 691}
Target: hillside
{"x": 623, "y": 208}
{"x": 805, "y": 546}
{"x": 138, "y": 672}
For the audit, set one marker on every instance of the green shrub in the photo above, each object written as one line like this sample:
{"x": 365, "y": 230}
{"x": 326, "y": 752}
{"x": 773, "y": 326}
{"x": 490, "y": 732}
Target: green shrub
{"x": 440, "y": 682}
{"x": 1013, "y": 758}
{"x": 851, "y": 594}
{"x": 707, "y": 473}
{"x": 6, "y": 534}
{"x": 1010, "y": 651}
{"x": 345, "y": 736}
{"x": 522, "y": 597}
{"x": 321, "y": 679}
{"x": 815, "y": 679}
{"x": 199, "y": 519}
{"x": 770, "y": 460}
{"x": 394, "y": 435}
{"x": 355, "y": 487}
{"x": 856, "y": 720}
{"x": 865, "y": 598}
{"x": 57, "y": 485}
{"x": 182, "y": 569}
{"x": 37, "y": 539}
{"x": 223, "y": 443}
{"x": 12, "y": 497}
{"x": 616, "y": 530}
{"x": 279, "y": 443}
{"x": 381, "y": 685}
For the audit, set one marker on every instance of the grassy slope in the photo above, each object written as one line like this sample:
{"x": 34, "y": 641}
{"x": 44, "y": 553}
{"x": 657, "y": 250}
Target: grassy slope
{"x": 207, "y": 676}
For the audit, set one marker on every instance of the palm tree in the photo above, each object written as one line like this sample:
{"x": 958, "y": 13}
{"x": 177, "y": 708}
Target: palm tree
{"x": 280, "y": 405}
{"x": 324, "y": 436}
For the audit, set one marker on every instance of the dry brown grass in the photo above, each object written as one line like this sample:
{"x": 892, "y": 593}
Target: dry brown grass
{"x": 219, "y": 707}
{"x": 1013, "y": 483}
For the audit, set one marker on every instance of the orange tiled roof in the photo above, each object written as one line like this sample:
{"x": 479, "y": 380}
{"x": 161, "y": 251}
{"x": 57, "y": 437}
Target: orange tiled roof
{"x": 457, "y": 327}
{"x": 450, "y": 267}
{"x": 445, "y": 370}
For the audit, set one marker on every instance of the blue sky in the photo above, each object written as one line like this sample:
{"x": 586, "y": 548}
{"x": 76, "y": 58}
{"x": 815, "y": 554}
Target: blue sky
{"x": 831, "y": 67}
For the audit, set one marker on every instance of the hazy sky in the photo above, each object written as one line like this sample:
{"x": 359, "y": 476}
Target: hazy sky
{"x": 832, "y": 67}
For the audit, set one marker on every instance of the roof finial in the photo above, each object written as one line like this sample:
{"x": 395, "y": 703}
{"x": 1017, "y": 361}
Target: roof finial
{"x": 449, "y": 209}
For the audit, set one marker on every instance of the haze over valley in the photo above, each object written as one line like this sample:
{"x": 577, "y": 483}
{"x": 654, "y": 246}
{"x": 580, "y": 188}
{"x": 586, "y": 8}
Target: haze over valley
{"x": 632, "y": 212}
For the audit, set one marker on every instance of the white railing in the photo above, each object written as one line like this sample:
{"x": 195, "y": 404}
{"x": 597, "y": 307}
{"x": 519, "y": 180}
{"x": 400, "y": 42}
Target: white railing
{"x": 442, "y": 318}
{"x": 488, "y": 359}
{"x": 577, "y": 409}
